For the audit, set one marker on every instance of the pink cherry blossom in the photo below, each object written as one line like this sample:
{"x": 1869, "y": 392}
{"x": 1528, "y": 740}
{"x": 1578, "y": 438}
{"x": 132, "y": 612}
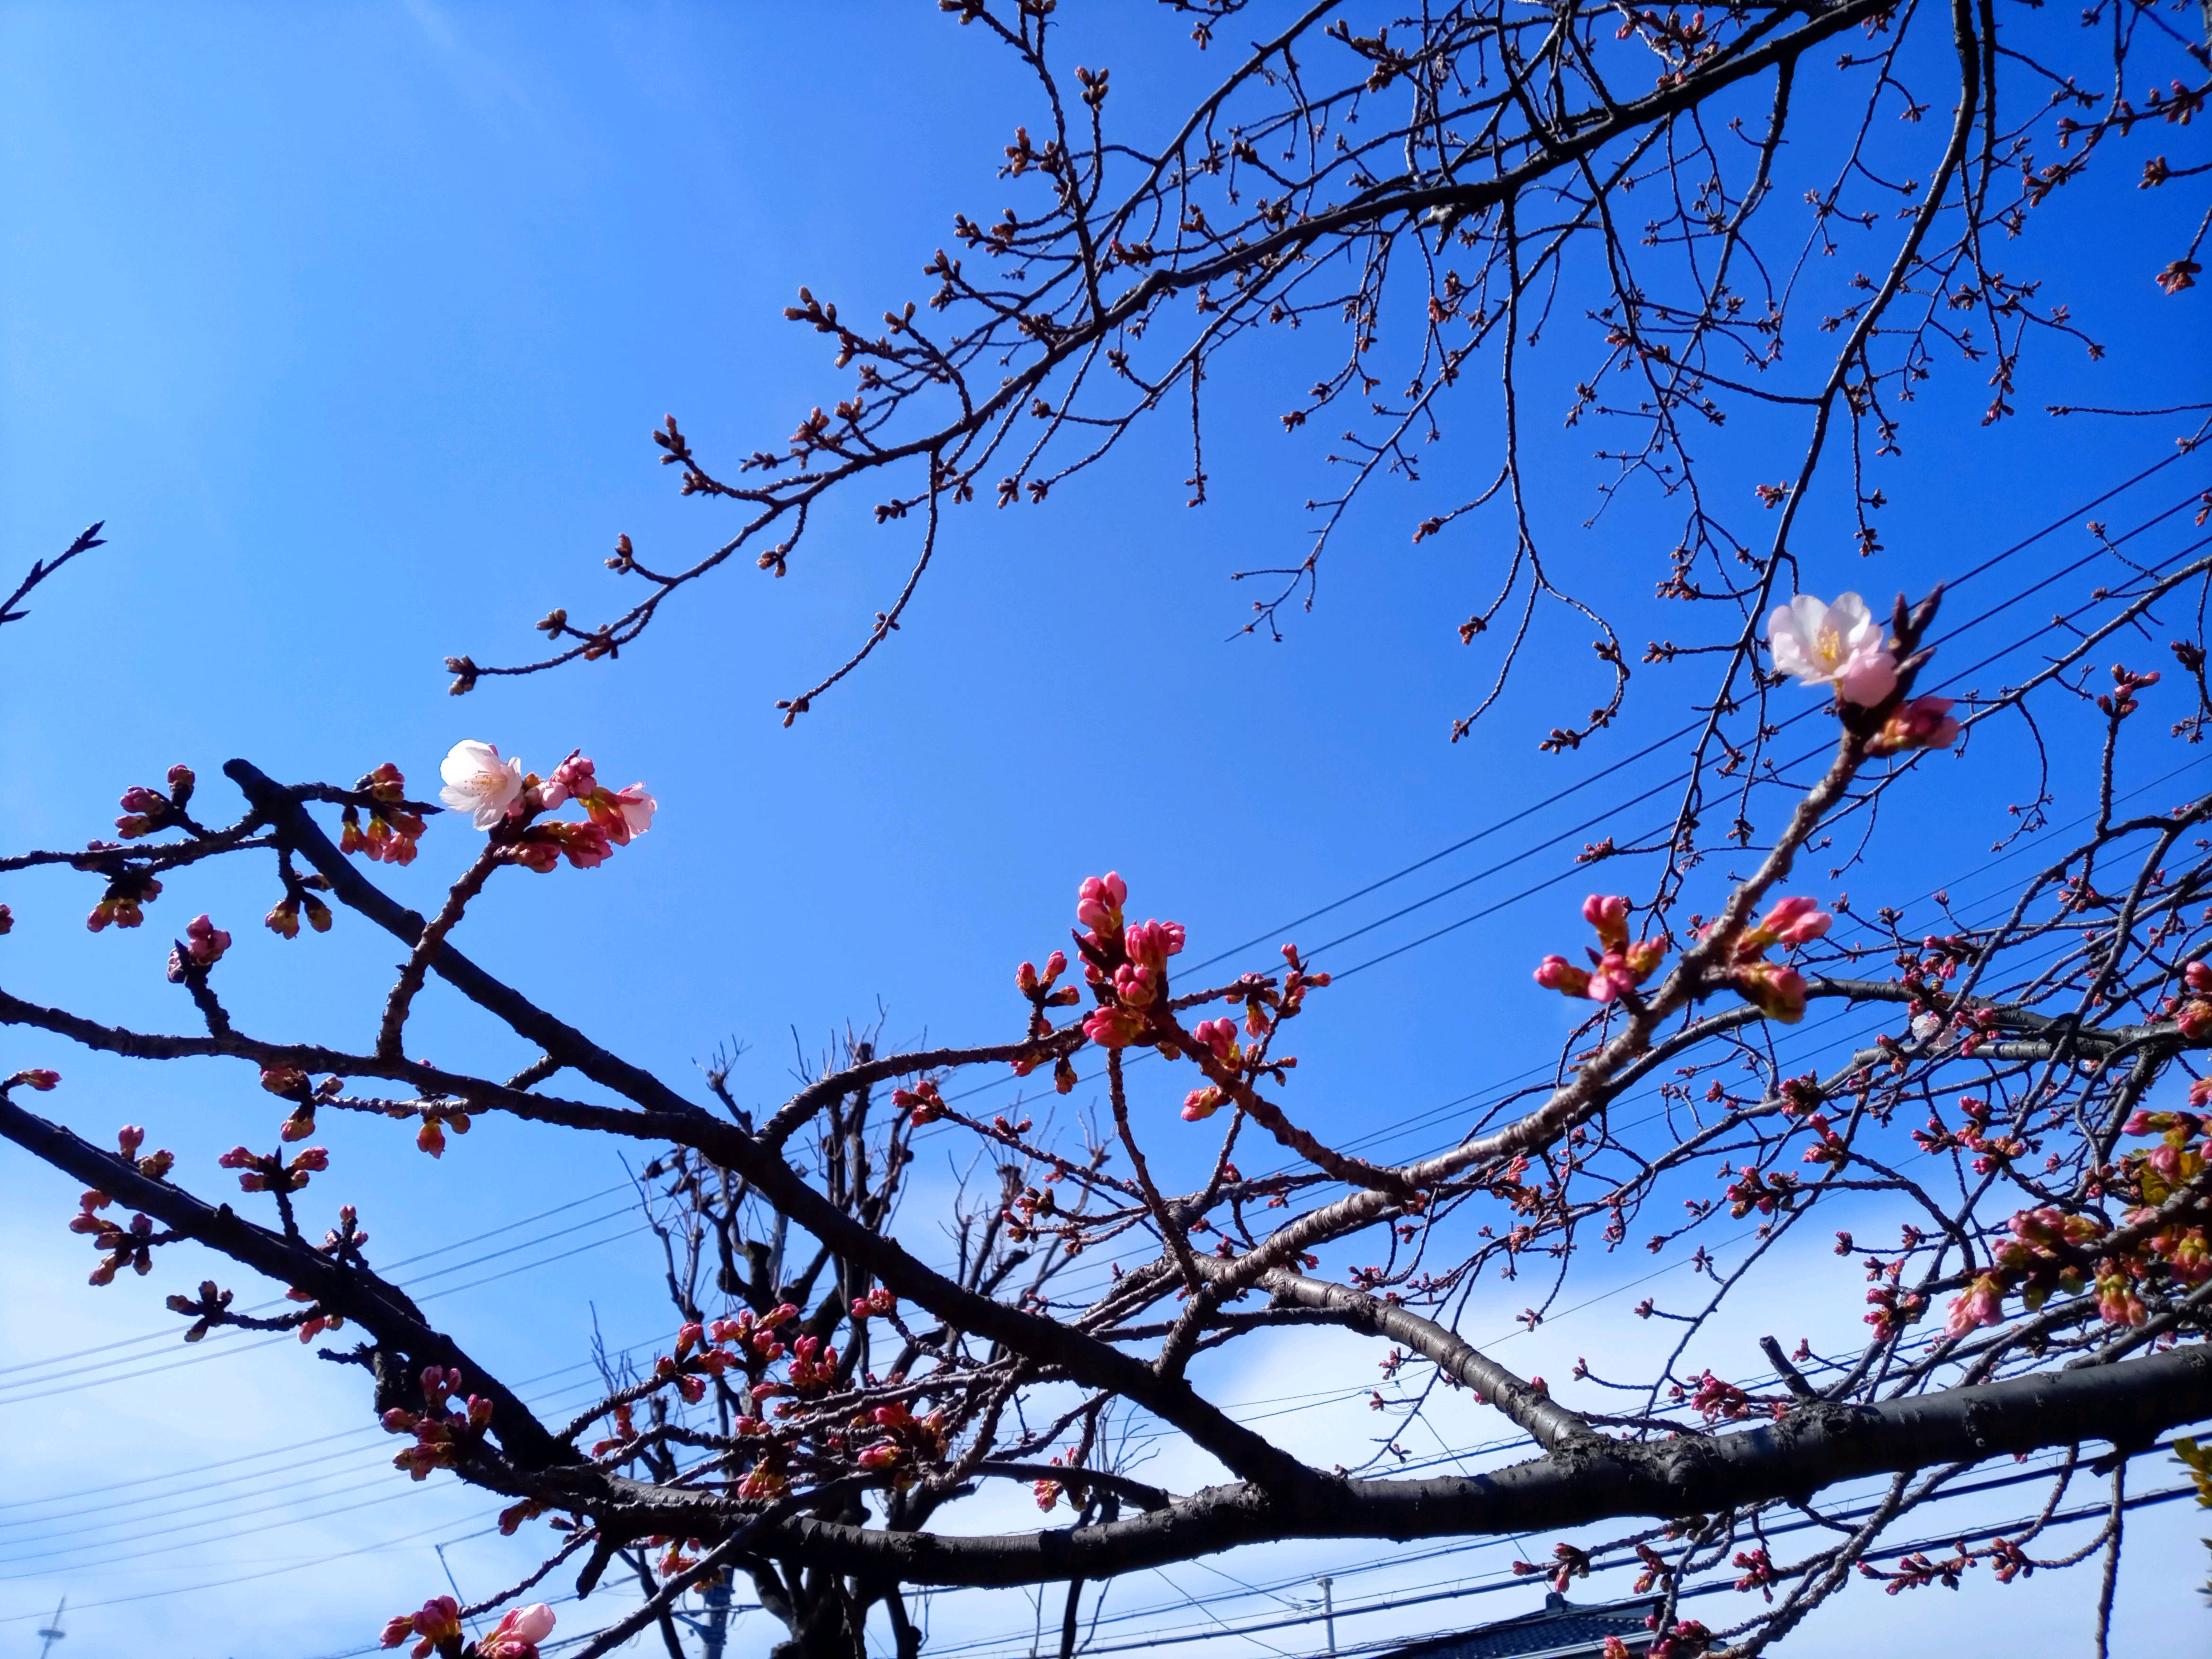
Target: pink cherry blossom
{"x": 478, "y": 783}
{"x": 633, "y": 810}
{"x": 1840, "y": 645}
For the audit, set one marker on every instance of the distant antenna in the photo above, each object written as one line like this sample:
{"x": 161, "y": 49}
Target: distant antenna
{"x": 54, "y": 1632}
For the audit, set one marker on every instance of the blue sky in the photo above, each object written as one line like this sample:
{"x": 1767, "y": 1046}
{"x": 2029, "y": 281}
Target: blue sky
{"x": 351, "y": 321}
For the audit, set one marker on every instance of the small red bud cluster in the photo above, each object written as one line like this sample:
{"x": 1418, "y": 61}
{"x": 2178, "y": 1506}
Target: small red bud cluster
{"x": 283, "y": 917}
{"x": 122, "y": 1244}
{"x": 392, "y": 830}
{"x": 1617, "y": 968}
{"x": 123, "y": 902}
{"x": 148, "y": 811}
{"x": 448, "y": 1425}
{"x": 262, "y": 1172}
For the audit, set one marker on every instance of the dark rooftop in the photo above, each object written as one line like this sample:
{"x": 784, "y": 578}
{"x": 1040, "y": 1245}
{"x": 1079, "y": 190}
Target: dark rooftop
{"x": 1560, "y": 1631}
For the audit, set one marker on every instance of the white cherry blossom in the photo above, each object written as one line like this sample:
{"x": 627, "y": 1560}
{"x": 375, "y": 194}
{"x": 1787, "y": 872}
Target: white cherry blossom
{"x": 478, "y": 783}
{"x": 1840, "y": 645}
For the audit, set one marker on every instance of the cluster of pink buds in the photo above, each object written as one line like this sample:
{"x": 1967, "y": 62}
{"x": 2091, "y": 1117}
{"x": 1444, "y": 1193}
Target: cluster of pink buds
{"x": 125, "y": 1246}
{"x": 1756, "y": 1190}
{"x": 262, "y": 1172}
{"x": 922, "y": 1102}
{"x": 1775, "y": 988}
{"x": 437, "y": 1629}
{"x": 283, "y": 917}
{"x": 208, "y": 1309}
{"x": 441, "y": 1435}
{"x": 907, "y": 1441}
{"x": 2192, "y": 1012}
{"x": 764, "y": 1482}
{"x": 1758, "y": 1571}
{"x": 1219, "y": 1038}
{"x": 392, "y": 830}
{"x": 2120, "y": 701}
{"x": 317, "y": 1320}
{"x": 813, "y": 1368}
{"x": 1038, "y": 988}
{"x": 878, "y": 1304}
{"x": 201, "y": 948}
{"x": 2047, "y": 1251}
{"x": 1617, "y": 968}
{"x": 1894, "y": 1306}
{"x": 123, "y": 902}
{"x": 7, "y": 919}
{"x": 700, "y": 1355}
{"x": 38, "y": 1078}
{"x": 1126, "y": 966}
{"x": 1568, "y": 1562}
{"x": 1715, "y": 1399}
{"x": 1688, "y": 1639}
{"x": 695, "y": 1361}
{"x": 148, "y": 811}
{"x": 1098, "y": 904}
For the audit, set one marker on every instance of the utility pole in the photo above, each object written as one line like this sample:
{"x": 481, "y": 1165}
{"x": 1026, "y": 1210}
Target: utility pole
{"x": 1328, "y": 1610}
{"x": 53, "y": 1633}
{"x": 717, "y": 1630}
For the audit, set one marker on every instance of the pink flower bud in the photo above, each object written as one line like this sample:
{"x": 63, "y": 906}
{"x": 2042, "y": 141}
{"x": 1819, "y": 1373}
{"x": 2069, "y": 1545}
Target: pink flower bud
{"x": 1608, "y": 914}
{"x": 1220, "y": 1035}
{"x": 1776, "y": 991}
{"x": 1982, "y": 1304}
{"x": 1113, "y": 1028}
{"x": 1201, "y": 1104}
{"x": 1924, "y": 723}
{"x": 1796, "y": 921}
{"x": 1556, "y": 973}
{"x": 2199, "y": 976}
{"x": 1136, "y": 985}
{"x": 1868, "y": 677}
{"x": 1099, "y": 901}
{"x": 129, "y": 1138}
{"x": 1152, "y": 943}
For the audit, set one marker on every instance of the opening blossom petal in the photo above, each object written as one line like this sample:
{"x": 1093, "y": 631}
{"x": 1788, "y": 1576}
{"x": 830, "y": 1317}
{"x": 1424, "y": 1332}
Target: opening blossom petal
{"x": 1839, "y": 645}
{"x": 478, "y": 783}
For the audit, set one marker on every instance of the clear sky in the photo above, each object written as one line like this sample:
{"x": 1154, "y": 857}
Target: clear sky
{"x": 351, "y": 321}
